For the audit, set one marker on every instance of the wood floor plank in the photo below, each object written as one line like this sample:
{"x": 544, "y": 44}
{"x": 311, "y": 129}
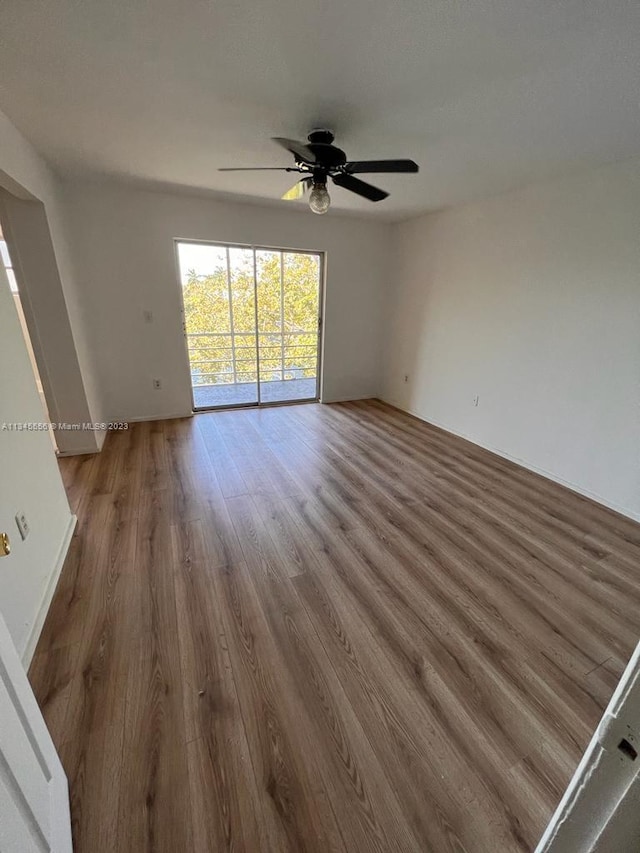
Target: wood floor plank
{"x": 154, "y": 806}
{"x": 327, "y": 628}
{"x": 65, "y": 620}
{"x": 299, "y": 816}
{"x": 155, "y": 464}
{"x": 222, "y": 461}
{"x": 408, "y": 742}
{"x": 52, "y": 672}
{"x": 292, "y": 547}
{"x": 226, "y": 801}
{"x": 95, "y": 710}
{"x": 93, "y": 762}
{"x": 77, "y": 475}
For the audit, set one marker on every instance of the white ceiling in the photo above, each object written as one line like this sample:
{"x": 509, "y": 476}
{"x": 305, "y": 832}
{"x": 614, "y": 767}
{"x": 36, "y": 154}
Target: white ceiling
{"x": 485, "y": 95}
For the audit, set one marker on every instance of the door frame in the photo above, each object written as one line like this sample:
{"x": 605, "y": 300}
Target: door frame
{"x": 254, "y": 247}
{"x": 599, "y": 809}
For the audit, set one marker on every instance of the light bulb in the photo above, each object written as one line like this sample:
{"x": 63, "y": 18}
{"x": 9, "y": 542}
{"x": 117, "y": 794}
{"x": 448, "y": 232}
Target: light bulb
{"x": 319, "y": 199}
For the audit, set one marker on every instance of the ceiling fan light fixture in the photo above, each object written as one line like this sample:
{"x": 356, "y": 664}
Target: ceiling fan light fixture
{"x": 319, "y": 198}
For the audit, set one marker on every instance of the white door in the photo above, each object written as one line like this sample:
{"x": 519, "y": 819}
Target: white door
{"x": 34, "y": 798}
{"x": 600, "y": 811}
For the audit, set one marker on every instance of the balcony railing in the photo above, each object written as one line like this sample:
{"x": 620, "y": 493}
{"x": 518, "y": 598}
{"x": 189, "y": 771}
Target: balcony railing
{"x": 223, "y": 358}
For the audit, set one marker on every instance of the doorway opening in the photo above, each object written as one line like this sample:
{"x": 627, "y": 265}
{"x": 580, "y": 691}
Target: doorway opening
{"x": 252, "y": 323}
{"x": 15, "y": 292}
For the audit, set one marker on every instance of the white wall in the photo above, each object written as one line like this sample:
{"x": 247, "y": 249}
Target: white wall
{"x": 532, "y": 301}
{"x": 72, "y": 288}
{"x": 29, "y": 482}
{"x": 122, "y": 240}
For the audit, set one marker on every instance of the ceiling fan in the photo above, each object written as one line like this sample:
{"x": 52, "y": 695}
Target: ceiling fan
{"x": 319, "y": 159}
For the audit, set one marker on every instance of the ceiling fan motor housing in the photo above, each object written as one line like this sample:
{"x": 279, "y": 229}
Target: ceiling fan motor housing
{"x": 327, "y": 155}
{"x": 321, "y": 135}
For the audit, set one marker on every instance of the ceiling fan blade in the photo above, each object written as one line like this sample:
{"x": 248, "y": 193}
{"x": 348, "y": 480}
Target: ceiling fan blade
{"x": 355, "y": 166}
{"x": 297, "y": 190}
{"x": 347, "y": 182}
{"x": 260, "y": 169}
{"x": 299, "y": 150}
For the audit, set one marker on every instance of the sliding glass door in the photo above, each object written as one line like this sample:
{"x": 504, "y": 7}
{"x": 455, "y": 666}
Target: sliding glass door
{"x": 252, "y": 323}
{"x": 288, "y": 297}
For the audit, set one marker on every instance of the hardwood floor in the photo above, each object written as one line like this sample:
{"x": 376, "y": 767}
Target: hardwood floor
{"x": 327, "y": 628}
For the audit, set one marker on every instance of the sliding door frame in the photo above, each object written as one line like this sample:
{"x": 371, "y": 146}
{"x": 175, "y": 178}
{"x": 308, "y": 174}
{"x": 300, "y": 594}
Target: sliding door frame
{"x": 321, "y": 255}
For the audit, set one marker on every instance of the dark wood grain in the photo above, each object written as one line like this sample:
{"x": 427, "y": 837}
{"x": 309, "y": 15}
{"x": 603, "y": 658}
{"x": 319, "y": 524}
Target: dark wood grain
{"x": 327, "y": 628}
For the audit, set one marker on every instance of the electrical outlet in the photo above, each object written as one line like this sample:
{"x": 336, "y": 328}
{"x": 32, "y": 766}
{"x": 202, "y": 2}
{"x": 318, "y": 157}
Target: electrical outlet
{"x": 148, "y": 316}
{"x": 406, "y": 377}
{"x": 23, "y": 524}
{"x": 157, "y": 384}
{"x": 476, "y": 400}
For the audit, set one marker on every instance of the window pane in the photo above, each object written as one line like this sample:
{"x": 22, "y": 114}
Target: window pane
{"x": 244, "y": 312}
{"x": 268, "y": 284}
{"x": 301, "y": 274}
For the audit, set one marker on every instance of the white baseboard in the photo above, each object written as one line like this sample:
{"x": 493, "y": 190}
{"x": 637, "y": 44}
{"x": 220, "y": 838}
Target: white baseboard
{"x": 523, "y": 463}
{"x": 349, "y": 399}
{"x": 38, "y": 622}
{"x": 146, "y": 418}
{"x": 80, "y": 451}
